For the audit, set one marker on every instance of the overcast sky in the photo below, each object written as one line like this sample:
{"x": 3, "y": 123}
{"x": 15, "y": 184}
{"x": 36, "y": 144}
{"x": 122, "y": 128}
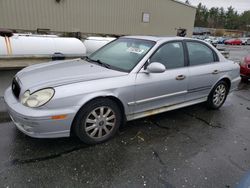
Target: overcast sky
{"x": 239, "y": 5}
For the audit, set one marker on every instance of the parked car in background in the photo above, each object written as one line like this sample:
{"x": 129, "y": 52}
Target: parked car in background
{"x": 200, "y": 37}
{"x": 212, "y": 40}
{"x": 221, "y": 40}
{"x": 245, "y": 68}
{"x": 245, "y": 41}
{"x": 233, "y": 42}
{"x": 248, "y": 41}
{"x": 129, "y": 78}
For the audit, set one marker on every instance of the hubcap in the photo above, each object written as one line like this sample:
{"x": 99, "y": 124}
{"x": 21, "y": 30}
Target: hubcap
{"x": 100, "y": 122}
{"x": 219, "y": 95}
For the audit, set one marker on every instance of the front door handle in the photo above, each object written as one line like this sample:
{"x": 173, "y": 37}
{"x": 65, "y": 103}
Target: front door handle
{"x": 215, "y": 72}
{"x": 180, "y": 77}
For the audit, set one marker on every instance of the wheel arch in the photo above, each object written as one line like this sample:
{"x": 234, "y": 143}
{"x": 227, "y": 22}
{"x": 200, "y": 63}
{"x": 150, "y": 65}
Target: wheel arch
{"x": 210, "y": 103}
{"x": 225, "y": 79}
{"x": 110, "y": 97}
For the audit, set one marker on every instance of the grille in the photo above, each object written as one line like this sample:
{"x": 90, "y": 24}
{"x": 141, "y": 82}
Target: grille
{"x": 16, "y": 88}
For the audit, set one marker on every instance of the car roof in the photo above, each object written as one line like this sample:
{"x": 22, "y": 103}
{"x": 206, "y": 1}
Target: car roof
{"x": 156, "y": 38}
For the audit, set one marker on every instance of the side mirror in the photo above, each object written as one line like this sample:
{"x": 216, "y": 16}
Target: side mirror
{"x": 156, "y": 67}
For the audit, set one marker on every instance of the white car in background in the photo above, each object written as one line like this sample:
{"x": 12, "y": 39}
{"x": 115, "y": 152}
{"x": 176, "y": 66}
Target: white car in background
{"x": 212, "y": 40}
{"x": 245, "y": 41}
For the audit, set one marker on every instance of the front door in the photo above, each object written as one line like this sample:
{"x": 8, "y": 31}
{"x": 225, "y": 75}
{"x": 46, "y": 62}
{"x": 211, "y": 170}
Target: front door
{"x": 155, "y": 90}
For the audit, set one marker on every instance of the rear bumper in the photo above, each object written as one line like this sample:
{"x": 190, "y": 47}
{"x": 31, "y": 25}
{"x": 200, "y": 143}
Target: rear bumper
{"x": 36, "y": 122}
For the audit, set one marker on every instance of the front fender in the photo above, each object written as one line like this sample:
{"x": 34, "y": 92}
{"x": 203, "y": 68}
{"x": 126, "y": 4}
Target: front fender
{"x": 91, "y": 96}
{"x": 65, "y": 99}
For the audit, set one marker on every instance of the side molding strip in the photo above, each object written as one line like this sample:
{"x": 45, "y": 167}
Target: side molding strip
{"x": 165, "y": 109}
{"x": 156, "y": 98}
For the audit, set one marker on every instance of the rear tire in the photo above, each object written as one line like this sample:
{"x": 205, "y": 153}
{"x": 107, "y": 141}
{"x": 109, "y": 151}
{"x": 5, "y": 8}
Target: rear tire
{"x": 218, "y": 95}
{"x": 97, "y": 121}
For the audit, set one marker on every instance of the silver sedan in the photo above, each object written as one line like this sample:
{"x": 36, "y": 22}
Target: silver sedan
{"x": 129, "y": 78}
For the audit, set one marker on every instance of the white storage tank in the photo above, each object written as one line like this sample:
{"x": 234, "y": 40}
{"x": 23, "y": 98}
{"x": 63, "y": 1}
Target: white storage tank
{"x": 94, "y": 43}
{"x": 23, "y": 45}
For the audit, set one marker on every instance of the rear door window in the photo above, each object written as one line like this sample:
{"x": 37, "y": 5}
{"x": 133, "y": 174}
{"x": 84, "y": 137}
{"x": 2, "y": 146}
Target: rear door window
{"x": 199, "y": 54}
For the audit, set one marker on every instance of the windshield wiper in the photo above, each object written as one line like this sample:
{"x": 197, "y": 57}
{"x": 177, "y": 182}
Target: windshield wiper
{"x": 102, "y": 63}
{"x": 98, "y": 62}
{"x": 87, "y": 58}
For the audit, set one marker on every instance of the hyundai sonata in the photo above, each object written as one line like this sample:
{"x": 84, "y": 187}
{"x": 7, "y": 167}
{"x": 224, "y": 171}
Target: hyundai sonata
{"x": 129, "y": 78}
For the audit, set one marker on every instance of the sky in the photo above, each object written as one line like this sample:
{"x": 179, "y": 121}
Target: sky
{"x": 239, "y": 5}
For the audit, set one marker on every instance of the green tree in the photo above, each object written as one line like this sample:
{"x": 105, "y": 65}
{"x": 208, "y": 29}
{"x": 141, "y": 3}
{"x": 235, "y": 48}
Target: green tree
{"x": 201, "y": 16}
{"x": 213, "y": 18}
{"x": 221, "y": 18}
{"x": 232, "y": 19}
{"x": 245, "y": 20}
{"x": 217, "y": 17}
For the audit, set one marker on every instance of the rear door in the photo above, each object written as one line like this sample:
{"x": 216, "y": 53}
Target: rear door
{"x": 204, "y": 69}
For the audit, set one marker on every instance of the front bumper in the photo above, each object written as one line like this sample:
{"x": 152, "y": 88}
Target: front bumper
{"x": 37, "y": 122}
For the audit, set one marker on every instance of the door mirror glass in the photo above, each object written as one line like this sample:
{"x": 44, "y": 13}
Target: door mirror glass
{"x": 156, "y": 67}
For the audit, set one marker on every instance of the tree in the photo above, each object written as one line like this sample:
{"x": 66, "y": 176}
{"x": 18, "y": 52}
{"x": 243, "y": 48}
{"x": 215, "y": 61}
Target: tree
{"x": 201, "y": 16}
{"x": 213, "y": 18}
{"x": 245, "y": 20}
{"x": 217, "y": 17}
{"x": 232, "y": 19}
{"x": 221, "y": 18}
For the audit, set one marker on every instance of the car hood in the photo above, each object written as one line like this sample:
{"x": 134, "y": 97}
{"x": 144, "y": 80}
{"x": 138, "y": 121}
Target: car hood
{"x": 57, "y": 73}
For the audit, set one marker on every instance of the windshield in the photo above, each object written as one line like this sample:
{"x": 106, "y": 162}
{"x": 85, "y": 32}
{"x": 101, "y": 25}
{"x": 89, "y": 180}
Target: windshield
{"x": 123, "y": 54}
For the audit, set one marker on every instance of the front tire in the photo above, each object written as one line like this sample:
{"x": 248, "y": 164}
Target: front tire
{"x": 218, "y": 95}
{"x": 97, "y": 121}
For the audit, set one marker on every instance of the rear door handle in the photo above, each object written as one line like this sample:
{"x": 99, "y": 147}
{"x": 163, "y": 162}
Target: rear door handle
{"x": 215, "y": 72}
{"x": 180, "y": 77}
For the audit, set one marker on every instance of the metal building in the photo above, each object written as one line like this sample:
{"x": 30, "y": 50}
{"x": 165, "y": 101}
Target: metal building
{"x": 119, "y": 17}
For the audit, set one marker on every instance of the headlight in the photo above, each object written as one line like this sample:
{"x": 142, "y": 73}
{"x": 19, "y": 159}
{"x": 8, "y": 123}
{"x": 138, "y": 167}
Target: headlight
{"x": 37, "y": 98}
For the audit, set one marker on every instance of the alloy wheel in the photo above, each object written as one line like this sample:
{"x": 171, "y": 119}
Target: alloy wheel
{"x": 219, "y": 95}
{"x": 100, "y": 122}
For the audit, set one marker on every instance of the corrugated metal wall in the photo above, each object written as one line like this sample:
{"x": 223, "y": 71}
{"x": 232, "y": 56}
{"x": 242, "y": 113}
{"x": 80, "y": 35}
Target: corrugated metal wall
{"x": 97, "y": 16}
